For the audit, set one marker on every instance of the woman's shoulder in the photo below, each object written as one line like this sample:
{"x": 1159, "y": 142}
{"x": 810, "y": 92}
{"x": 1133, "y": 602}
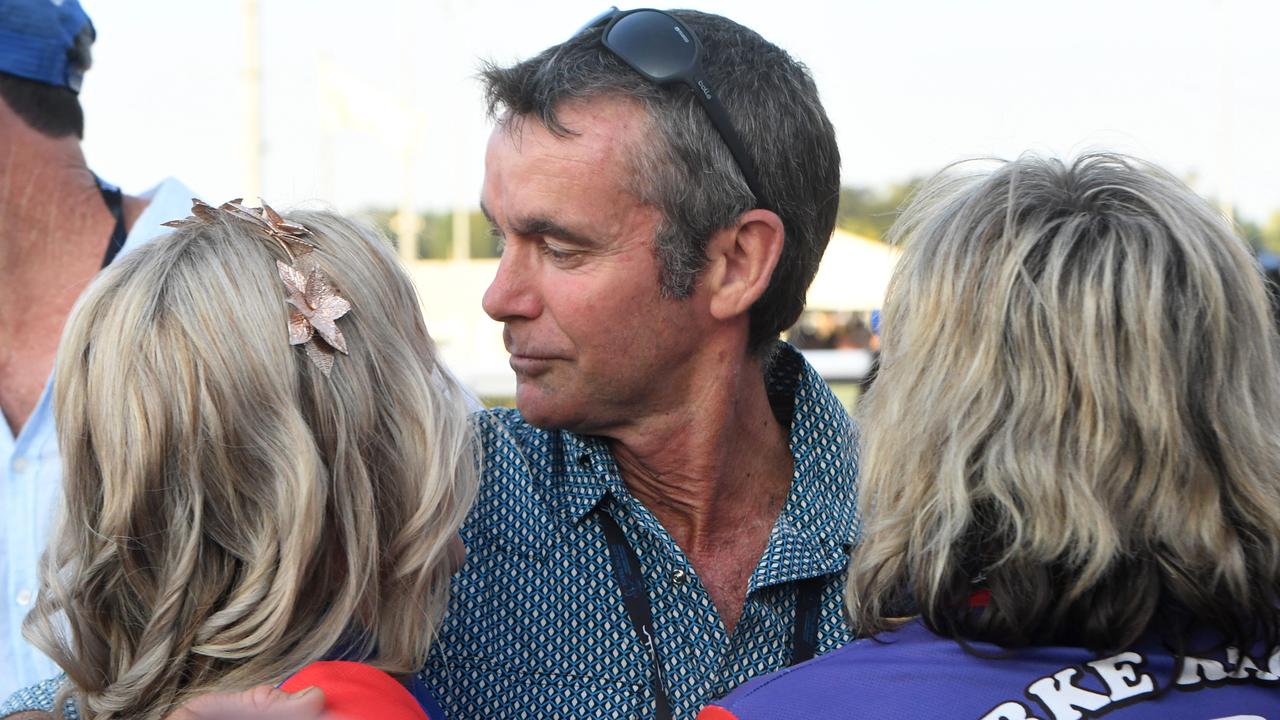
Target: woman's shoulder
{"x": 359, "y": 692}
{"x": 851, "y": 671}
{"x": 913, "y": 672}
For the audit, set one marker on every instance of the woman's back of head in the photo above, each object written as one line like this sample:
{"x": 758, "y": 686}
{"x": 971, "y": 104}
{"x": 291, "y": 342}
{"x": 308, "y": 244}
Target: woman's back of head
{"x": 1076, "y": 412}
{"x": 233, "y": 510}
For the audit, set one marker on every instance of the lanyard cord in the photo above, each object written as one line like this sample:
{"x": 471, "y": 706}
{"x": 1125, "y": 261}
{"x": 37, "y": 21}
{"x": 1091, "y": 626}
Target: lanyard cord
{"x": 114, "y": 200}
{"x": 626, "y": 570}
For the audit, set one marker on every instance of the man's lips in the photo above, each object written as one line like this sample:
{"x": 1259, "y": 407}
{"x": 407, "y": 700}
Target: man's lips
{"x": 530, "y": 364}
{"x": 524, "y": 359}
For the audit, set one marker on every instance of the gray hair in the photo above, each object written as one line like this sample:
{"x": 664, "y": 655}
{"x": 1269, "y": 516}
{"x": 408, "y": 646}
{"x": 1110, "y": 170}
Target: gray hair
{"x": 687, "y": 170}
{"x": 1076, "y": 410}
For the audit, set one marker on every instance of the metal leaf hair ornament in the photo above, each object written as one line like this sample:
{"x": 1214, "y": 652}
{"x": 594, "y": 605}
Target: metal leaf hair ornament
{"x": 314, "y": 303}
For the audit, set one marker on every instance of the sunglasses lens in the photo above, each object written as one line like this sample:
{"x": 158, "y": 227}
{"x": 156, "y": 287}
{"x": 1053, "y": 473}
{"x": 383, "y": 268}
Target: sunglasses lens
{"x": 653, "y": 43}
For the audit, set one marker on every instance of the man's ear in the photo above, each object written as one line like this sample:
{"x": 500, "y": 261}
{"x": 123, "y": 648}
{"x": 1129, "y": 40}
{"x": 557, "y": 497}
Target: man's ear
{"x": 740, "y": 262}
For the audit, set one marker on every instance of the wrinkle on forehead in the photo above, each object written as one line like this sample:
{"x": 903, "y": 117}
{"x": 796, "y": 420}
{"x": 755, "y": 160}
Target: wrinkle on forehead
{"x": 581, "y": 117}
{"x": 541, "y": 179}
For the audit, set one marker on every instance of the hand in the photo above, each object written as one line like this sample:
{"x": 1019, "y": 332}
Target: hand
{"x": 260, "y": 703}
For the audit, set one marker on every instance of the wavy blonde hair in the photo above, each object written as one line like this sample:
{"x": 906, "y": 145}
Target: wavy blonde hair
{"x": 232, "y": 514}
{"x": 1078, "y": 410}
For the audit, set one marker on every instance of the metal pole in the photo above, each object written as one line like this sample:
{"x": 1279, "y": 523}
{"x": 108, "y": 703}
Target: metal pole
{"x": 252, "y": 99}
{"x": 407, "y": 222}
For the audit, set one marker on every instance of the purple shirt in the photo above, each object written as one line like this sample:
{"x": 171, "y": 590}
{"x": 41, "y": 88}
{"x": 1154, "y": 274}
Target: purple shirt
{"x": 913, "y": 673}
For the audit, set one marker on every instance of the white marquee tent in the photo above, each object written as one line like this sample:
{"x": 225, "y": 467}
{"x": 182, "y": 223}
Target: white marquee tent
{"x": 854, "y": 274}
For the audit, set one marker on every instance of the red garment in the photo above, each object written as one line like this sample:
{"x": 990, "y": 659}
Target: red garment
{"x": 355, "y": 691}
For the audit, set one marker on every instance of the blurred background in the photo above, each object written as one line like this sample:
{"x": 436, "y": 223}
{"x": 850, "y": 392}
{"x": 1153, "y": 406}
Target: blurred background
{"x": 371, "y": 108}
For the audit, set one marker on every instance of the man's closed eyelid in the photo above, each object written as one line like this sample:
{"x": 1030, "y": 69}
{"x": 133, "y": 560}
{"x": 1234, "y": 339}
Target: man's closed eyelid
{"x": 555, "y": 252}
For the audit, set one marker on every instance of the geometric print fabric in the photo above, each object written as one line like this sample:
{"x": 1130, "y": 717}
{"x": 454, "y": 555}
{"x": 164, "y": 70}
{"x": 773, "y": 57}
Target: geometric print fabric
{"x": 536, "y": 626}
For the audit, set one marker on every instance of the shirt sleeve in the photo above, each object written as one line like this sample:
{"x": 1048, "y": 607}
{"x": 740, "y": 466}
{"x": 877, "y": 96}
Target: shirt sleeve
{"x": 356, "y": 691}
{"x": 39, "y": 697}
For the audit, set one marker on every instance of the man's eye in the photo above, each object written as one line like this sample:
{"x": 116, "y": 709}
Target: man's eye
{"x": 555, "y": 253}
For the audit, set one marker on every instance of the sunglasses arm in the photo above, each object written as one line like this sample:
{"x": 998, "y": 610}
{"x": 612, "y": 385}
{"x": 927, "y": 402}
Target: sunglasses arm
{"x": 720, "y": 118}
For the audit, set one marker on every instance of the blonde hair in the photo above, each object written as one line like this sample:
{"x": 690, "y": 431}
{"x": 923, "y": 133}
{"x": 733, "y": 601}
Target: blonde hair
{"x": 1078, "y": 411}
{"x": 232, "y": 514}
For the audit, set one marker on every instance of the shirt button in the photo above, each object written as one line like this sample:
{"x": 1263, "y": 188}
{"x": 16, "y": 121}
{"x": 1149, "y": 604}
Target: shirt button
{"x": 24, "y": 598}
{"x": 679, "y": 578}
{"x": 20, "y": 465}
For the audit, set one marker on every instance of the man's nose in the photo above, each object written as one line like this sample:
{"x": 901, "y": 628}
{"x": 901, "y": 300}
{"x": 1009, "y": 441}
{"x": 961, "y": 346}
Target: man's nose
{"x": 512, "y": 294}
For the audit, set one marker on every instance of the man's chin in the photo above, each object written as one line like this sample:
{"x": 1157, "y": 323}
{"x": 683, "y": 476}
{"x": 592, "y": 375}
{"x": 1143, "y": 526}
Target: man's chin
{"x": 542, "y": 410}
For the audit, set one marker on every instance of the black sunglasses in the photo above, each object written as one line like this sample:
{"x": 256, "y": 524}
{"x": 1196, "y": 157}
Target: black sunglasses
{"x": 664, "y": 50}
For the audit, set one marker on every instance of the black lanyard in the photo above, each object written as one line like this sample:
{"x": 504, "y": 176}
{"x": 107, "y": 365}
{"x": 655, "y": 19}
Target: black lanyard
{"x": 112, "y": 196}
{"x": 626, "y": 570}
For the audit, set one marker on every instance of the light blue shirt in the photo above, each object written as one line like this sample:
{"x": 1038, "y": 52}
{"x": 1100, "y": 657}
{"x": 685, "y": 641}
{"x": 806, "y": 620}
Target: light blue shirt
{"x": 31, "y": 482}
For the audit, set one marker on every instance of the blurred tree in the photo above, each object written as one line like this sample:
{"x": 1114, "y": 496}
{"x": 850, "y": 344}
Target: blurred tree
{"x": 1262, "y": 238}
{"x": 1270, "y": 234}
{"x": 869, "y": 212}
{"x": 865, "y": 211}
{"x": 435, "y": 238}
{"x": 1250, "y": 231}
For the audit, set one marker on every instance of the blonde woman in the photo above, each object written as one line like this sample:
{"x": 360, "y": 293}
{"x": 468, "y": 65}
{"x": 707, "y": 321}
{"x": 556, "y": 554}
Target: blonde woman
{"x": 266, "y": 467}
{"x": 1071, "y": 477}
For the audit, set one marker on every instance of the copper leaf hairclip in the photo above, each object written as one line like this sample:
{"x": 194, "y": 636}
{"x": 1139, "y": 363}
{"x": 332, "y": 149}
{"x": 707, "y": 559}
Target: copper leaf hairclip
{"x": 314, "y": 304}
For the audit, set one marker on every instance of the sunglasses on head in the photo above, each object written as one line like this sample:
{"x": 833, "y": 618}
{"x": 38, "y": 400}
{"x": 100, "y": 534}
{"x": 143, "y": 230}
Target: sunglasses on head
{"x": 664, "y": 51}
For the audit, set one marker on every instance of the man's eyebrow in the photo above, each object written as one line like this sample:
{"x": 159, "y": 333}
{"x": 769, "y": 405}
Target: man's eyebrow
{"x": 551, "y": 228}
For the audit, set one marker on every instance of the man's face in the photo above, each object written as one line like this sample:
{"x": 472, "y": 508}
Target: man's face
{"x": 593, "y": 343}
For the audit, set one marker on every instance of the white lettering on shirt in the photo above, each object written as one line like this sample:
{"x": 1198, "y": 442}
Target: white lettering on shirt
{"x": 1125, "y": 681}
{"x": 1062, "y": 699}
{"x": 1197, "y": 670}
{"x": 1121, "y": 676}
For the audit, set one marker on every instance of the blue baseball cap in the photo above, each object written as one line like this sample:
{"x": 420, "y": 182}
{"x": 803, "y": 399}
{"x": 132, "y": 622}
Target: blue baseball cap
{"x": 45, "y": 40}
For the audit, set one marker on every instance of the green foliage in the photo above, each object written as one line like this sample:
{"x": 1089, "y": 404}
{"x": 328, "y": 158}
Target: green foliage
{"x": 1269, "y": 235}
{"x": 435, "y": 233}
{"x": 864, "y": 211}
{"x": 870, "y": 212}
{"x": 1261, "y": 237}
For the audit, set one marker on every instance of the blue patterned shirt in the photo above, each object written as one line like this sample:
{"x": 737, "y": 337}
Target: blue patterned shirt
{"x": 536, "y": 626}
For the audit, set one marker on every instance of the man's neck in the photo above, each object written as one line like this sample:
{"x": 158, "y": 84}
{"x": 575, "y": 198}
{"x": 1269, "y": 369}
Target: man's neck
{"x": 709, "y": 462}
{"x": 50, "y": 204}
{"x": 715, "y": 473}
{"x": 54, "y": 230}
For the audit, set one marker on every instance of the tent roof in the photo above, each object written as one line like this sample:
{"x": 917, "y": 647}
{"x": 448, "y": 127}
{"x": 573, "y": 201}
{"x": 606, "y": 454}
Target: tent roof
{"x": 854, "y": 274}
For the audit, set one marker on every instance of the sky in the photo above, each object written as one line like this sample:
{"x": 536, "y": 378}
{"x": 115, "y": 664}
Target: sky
{"x": 374, "y": 104}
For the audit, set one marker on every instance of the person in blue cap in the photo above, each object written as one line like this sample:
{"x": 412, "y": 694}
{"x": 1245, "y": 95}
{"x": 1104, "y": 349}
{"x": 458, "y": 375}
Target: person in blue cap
{"x": 59, "y": 225}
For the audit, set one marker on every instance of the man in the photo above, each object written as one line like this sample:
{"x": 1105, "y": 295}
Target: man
{"x": 59, "y": 225}
{"x": 669, "y": 511}
{"x": 642, "y": 286}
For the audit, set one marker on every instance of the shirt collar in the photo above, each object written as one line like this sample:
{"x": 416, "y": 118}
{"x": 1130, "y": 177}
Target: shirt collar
{"x": 169, "y": 200}
{"x": 818, "y": 523}
{"x": 589, "y": 473}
